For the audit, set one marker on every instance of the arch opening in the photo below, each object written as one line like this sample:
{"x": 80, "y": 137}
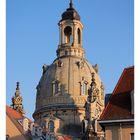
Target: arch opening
{"x": 68, "y": 35}
{"x": 51, "y": 126}
{"x": 78, "y": 36}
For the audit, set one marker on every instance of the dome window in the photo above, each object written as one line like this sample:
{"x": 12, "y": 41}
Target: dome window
{"x": 68, "y": 35}
{"x": 56, "y": 87}
{"x": 84, "y": 87}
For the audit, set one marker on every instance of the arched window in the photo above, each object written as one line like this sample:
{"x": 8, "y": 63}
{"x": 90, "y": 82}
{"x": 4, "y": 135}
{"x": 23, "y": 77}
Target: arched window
{"x": 68, "y": 34}
{"x": 51, "y": 126}
{"x": 79, "y": 36}
{"x": 84, "y": 88}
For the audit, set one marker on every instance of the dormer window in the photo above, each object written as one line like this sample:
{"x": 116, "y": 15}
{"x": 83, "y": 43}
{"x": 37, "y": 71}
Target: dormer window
{"x": 56, "y": 87}
{"x": 68, "y": 35}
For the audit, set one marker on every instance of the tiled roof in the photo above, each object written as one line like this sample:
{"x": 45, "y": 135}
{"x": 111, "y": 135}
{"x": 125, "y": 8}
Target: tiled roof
{"x": 17, "y": 119}
{"x": 126, "y": 81}
{"x": 13, "y": 113}
{"x": 119, "y": 105}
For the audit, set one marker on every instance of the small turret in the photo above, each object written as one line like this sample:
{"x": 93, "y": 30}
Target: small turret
{"x": 70, "y": 37}
{"x": 17, "y": 101}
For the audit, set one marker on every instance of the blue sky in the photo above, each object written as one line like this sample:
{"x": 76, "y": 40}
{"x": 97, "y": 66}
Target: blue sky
{"x": 33, "y": 37}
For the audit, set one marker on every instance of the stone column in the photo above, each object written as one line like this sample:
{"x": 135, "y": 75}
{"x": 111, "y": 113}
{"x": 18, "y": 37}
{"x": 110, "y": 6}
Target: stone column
{"x": 74, "y": 33}
{"x": 81, "y": 34}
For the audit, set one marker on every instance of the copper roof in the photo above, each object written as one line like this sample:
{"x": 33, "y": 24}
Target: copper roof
{"x": 70, "y": 14}
{"x": 119, "y": 105}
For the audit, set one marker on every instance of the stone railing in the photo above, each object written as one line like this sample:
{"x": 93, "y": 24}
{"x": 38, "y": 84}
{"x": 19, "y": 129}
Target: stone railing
{"x": 64, "y": 100}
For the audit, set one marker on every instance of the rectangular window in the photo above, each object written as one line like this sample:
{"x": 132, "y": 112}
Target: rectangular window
{"x": 53, "y": 88}
{"x": 132, "y": 136}
{"x": 56, "y": 87}
{"x": 84, "y": 88}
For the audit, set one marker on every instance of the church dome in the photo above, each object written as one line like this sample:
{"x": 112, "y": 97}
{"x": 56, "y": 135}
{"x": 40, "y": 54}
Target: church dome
{"x": 64, "y": 87}
{"x": 70, "y": 14}
{"x": 65, "y": 82}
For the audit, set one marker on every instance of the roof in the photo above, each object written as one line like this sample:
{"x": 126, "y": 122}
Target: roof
{"x": 119, "y": 105}
{"x": 13, "y": 113}
{"x": 71, "y": 72}
{"x": 70, "y": 14}
{"x": 17, "y": 119}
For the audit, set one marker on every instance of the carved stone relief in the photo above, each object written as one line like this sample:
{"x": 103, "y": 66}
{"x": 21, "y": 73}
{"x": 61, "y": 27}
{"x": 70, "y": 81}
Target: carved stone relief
{"x": 80, "y": 64}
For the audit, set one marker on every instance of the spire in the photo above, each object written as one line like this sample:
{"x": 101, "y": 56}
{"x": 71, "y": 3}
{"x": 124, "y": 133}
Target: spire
{"x": 17, "y": 86}
{"x": 17, "y": 93}
{"x": 17, "y": 100}
{"x": 71, "y": 4}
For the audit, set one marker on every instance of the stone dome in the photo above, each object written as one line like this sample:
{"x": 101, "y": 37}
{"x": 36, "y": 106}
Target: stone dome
{"x": 70, "y": 72}
{"x": 65, "y": 85}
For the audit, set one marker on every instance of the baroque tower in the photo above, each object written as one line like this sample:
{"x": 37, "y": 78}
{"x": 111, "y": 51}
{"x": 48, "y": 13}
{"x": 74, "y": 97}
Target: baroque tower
{"x": 62, "y": 91}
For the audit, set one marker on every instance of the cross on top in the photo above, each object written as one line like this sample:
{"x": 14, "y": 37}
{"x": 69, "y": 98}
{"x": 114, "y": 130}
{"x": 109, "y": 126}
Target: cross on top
{"x": 17, "y": 88}
{"x": 71, "y": 4}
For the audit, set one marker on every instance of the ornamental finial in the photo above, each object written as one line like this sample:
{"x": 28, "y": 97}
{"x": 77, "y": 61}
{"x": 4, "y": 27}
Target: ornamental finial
{"x": 17, "y": 88}
{"x": 17, "y": 93}
{"x": 71, "y": 4}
